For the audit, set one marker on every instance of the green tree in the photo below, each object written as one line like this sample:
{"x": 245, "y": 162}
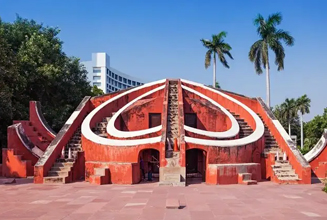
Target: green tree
{"x": 217, "y": 85}
{"x": 216, "y": 47}
{"x": 33, "y": 66}
{"x": 314, "y": 129}
{"x": 270, "y": 38}
{"x": 289, "y": 110}
{"x": 303, "y": 106}
{"x": 96, "y": 91}
{"x": 294, "y": 122}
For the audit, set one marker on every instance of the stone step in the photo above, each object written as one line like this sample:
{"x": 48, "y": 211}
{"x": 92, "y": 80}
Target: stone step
{"x": 284, "y": 166}
{"x": 62, "y": 173}
{"x": 65, "y": 168}
{"x": 63, "y": 164}
{"x": 74, "y": 145}
{"x": 65, "y": 160}
{"x": 288, "y": 178}
{"x": 54, "y": 179}
{"x": 250, "y": 182}
{"x": 246, "y": 176}
{"x": 284, "y": 171}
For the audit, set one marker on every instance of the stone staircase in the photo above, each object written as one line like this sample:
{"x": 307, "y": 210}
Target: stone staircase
{"x": 246, "y": 179}
{"x": 245, "y": 129}
{"x": 282, "y": 169}
{"x": 172, "y": 125}
{"x": 101, "y": 127}
{"x": 171, "y": 174}
{"x": 60, "y": 172}
{"x": 37, "y": 138}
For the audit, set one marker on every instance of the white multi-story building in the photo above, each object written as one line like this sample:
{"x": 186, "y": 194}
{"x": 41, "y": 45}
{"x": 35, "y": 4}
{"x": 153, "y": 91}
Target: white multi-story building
{"x": 106, "y": 78}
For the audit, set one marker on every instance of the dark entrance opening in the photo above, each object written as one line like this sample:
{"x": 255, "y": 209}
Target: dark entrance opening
{"x": 195, "y": 166}
{"x": 154, "y": 119}
{"x": 190, "y": 120}
{"x": 151, "y": 165}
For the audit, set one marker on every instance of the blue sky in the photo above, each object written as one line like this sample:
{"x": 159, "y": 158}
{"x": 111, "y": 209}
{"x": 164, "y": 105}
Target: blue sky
{"x": 161, "y": 39}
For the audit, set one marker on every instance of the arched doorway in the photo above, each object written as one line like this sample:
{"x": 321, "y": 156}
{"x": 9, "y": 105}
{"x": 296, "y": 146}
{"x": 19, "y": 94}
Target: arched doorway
{"x": 151, "y": 164}
{"x": 195, "y": 166}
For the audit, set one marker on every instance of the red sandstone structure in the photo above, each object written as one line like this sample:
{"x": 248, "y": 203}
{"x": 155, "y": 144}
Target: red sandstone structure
{"x": 182, "y": 130}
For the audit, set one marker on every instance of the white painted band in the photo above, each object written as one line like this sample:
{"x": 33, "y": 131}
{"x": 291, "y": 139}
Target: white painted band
{"x": 256, "y": 135}
{"x": 88, "y": 133}
{"x": 38, "y": 115}
{"x": 318, "y": 148}
{"x": 113, "y": 131}
{"x": 233, "y": 131}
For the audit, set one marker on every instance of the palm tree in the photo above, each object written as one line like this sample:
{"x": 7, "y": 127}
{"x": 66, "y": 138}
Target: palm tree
{"x": 289, "y": 109}
{"x": 218, "y": 47}
{"x": 303, "y": 106}
{"x": 270, "y": 39}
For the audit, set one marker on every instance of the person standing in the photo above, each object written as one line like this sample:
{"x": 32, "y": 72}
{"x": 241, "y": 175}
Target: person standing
{"x": 142, "y": 168}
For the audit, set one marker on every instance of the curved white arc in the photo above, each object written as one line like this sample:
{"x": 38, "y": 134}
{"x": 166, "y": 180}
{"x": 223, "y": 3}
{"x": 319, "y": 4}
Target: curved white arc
{"x": 113, "y": 131}
{"x": 233, "y": 131}
{"x": 46, "y": 128}
{"x": 120, "y": 143}
{"x": 256, "y": 135}
{"x": 88, "y": 133}
{"x": 318, "y": 148}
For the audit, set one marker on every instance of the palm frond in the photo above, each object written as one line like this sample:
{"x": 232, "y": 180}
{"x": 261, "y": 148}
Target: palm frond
{"x": 285, "y": 36}
{"x": 207, "y": 60}
{"x": 265, "y": 55}
{"x": 226, "y": 46}
{"x": 303, "y": 104}
{"x": 259, "y": 20}
{"x": 253, "y": 50}
{"x": 222, "y": 58}
{"x": 278, "y": 49}
{"x": 228, "y": 54}
{"x": 274, "y": 19}
{"x": 206, "y": 43}
{"x": 258, "y": 62}
{"x": 222, "y": 35}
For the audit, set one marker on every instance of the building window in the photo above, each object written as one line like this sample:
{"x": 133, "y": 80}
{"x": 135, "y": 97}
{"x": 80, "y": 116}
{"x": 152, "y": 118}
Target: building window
{"x": 138, "y": 83}
{"x": 96, "y": 77}
{"x": 119, "y": 85}
{"x": 107, "y": 71}
{"x": 115, "y": 83}
{"x": 120, "y": 79}
{"x": 116, "y": 76}
{"x": 129, "y": 82}
{"x": 124, "y": 80}
{"x": 113, "y": 75}
{"x": 98, "y": 84}
{"x": 133, "y": 83}
{"x": 96, "y": 69}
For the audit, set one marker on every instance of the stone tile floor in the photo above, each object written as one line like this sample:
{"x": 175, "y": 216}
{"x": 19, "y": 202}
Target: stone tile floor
{"x": 25, "y": 200}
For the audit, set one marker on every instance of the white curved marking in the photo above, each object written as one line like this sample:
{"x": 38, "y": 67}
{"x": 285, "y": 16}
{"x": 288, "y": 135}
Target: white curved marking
{"x": 38, "y": 115}
{"x": 111, "y": 129}
{"x": 318, "y": 148}
{"x": 256, "y": 135}
{"x": 35, "y": 150}
{"x": 233, "y": 131}
{"x": 88, "y": 133}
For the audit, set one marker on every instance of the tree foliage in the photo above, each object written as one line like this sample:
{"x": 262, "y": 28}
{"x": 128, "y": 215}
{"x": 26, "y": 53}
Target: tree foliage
{"x": 270, "y": 38}
{"x": 288, "y": 111}
{"x": 314, "y": 129}
{"x": 33, "y": 66}
{"x": 217, "y": 46}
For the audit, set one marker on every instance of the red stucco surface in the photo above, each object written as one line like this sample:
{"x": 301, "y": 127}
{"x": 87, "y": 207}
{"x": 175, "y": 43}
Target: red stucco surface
{"x": 319, "y": 164}
{"x": 122, "y": 162}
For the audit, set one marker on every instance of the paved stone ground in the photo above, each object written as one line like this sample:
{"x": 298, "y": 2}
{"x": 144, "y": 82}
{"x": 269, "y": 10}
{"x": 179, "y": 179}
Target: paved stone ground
{"x": 266, "y": 200}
